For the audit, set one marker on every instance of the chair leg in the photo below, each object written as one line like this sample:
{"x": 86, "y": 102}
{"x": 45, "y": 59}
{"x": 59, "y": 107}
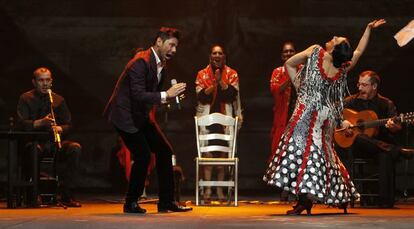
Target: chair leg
{"x": 406, "y": 176}
{"x": 197, "y": 188}
{"x": 236, "y": 180}
{"x": 229, "y": 195}
{"x": 230, "y": 189}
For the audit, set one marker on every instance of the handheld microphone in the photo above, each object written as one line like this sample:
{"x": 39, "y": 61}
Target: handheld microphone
{"x": 177, "y": 99}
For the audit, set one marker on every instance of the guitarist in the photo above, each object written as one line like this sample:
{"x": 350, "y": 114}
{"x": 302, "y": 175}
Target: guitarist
{"x": 382, "y": 146}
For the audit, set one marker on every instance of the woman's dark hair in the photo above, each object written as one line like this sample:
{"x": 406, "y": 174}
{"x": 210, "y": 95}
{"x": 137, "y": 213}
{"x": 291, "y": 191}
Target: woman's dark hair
{"x": 341, "y": 53}
{"x": 217, "y": 45}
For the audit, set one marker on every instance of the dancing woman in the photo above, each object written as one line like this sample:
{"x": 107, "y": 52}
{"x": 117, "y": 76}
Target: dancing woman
{"x": 305, "y": 162}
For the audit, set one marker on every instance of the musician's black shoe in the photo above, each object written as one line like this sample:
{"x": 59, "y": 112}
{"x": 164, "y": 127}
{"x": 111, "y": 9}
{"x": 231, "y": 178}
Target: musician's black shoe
{"x": 133, "y": 207}
{"x": 72, "y": 203}
{"x": 172, "y": 206}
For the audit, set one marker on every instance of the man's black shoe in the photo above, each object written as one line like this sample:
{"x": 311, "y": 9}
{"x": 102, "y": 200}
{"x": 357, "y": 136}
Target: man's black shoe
{"x": 71, "y": 203}
{"x": 172, "y": 206}
{"x": 133, "y": 208}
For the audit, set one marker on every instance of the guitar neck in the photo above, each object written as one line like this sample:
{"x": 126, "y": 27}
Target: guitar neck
{"x": 376, "y": 123}
{"x": 371, "y": 124}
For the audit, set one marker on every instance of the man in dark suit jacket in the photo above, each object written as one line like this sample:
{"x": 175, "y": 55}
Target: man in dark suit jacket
{"x": 131, "y": 110}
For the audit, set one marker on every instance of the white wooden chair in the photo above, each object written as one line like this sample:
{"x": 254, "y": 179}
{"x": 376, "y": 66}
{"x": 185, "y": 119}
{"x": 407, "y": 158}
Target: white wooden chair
{"x": 205, "y": 144}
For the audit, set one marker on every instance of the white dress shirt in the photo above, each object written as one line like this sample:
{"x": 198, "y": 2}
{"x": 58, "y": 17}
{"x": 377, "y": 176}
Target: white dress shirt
{"x": 159, "y": 69}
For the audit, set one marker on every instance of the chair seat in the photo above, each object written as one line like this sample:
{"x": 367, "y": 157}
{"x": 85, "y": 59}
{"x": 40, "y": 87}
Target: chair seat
{"x": 407, "y": 153}
{"x": 408, "y": 150}
{"x": 217, "y": 161}
{"x": 365, "y": 179}
{"x": 216, "y": 183}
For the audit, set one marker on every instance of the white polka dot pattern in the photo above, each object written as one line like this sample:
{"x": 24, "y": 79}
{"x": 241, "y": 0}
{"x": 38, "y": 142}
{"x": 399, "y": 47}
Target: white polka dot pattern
{"x": 314, "y": 179}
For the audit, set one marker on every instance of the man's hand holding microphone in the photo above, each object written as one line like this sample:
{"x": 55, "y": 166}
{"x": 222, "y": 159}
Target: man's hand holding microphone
{"x": 175, "y": 90}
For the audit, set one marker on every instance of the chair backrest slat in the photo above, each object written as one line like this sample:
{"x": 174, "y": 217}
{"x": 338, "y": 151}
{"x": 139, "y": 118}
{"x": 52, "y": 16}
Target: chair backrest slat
{"x": 216, "y": 118}
{"x": 224, "y": 137}
{"x": 215, "y": 148}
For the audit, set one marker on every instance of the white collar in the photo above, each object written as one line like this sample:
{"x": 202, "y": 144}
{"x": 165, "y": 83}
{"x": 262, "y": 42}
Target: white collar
{"x": 157, "y": 59}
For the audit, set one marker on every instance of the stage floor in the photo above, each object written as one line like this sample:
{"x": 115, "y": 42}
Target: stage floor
{"x": 106, "y": 212}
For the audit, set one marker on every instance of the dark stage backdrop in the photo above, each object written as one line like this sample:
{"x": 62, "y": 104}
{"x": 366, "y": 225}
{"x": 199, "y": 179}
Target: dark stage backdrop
{"x": 86, "y": 44}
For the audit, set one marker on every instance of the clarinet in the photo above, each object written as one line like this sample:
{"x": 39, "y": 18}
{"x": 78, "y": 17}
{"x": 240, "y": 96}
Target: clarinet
{"x": 56, "y": 134}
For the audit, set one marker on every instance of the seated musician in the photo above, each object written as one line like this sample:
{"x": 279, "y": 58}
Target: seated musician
{"x": 382, "y": 145}
{"x": 35, "y": 114}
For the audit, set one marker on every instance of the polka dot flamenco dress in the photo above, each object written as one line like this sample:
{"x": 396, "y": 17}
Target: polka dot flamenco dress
{"x": 305, "y": 161}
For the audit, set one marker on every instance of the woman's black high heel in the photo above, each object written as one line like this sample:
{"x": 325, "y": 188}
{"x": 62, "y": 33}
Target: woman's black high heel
{"x": 303, "y": 204}
{"x": 344, "y": 206}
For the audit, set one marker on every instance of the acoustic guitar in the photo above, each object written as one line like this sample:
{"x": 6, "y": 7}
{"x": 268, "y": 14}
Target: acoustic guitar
{"x": 365, "y": 122}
